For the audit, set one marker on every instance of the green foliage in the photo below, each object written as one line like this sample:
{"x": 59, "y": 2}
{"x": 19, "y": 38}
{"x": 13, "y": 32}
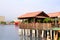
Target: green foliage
{"x": 12, "y": 22}
{"x": 32, "y": 20}
{"x": 59, "y": 38}
{"x": 47, "y": 20}
{"x": 25, "y": 21}
{"x": 38, "y": 21}
{"x": 2, "y": 22}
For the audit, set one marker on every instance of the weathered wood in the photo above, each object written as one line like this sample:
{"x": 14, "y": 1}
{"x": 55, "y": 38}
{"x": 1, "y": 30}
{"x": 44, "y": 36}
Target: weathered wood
{"x": 39, "y": 26}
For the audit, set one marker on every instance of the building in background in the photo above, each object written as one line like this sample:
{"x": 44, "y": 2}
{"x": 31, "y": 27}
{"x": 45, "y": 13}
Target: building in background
{"x": 2, "y": 18}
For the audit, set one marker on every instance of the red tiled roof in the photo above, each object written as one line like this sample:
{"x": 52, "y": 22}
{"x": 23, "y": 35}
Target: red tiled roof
{"x": 55, "y": 14}
{"x": 31, "y": 14}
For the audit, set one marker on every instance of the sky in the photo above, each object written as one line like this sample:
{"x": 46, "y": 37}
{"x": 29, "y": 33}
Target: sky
{"x": 11, "y": 9}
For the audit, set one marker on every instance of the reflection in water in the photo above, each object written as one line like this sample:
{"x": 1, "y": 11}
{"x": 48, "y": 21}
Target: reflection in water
{"x": 29, "y": 38}
{"x": 10, "y": 32}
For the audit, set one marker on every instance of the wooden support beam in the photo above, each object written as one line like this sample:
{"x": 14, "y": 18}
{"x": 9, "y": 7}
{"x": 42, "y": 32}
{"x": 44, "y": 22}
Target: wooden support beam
{"x": 42, "y": 33}
{"x": 54, "y": 35}
{"x": 39, "y": 33}
{"x": 31, "y": 32}
{"x": 51, "y": 34}
{"x": 48, "y": 35}
{"x": 35, "y": 33}
{"x": 24, "y": 32}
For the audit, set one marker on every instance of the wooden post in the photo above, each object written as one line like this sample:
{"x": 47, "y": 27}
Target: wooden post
{"x": 28, "y": 32}
{"x": 42, "y": 33}
{"x": 54, "y": 35}
{"x": 39, "y": 33}
{"x": 31, "y": 32}
{"x": 24, "y": 32}
{"x": 48, "y": 35}
{"x": 57, "y": 36}
{"x": 35, "y": 33}
{"x": 51, "y": 34}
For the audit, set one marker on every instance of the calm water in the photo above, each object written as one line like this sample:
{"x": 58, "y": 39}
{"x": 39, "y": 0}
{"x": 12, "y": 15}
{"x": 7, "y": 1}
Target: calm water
{"x": 10, "y": 32}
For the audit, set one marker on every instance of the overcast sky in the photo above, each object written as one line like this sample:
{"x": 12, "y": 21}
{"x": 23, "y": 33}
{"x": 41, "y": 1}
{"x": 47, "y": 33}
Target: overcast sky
{"x": 11, "y": 9}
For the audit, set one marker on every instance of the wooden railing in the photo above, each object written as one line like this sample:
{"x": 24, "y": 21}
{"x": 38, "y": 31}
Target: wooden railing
{"x": 39, "y": 26}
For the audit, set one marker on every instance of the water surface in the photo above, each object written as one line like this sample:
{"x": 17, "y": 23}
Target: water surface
{"x": 9, "y": 32}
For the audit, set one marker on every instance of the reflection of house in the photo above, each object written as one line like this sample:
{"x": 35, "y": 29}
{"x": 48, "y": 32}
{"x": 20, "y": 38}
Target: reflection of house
{"x": 2, "y": 18}
{"x": 34, "y": 21}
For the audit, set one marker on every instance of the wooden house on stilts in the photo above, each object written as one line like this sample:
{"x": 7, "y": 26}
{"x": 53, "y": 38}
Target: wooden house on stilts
{"x": 39, "y": 22}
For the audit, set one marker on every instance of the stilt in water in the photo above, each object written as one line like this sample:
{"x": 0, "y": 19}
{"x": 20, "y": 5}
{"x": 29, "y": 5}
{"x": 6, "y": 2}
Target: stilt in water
{"x": 51, "y": 34}
{"x": 39, "y": 33}
{"x": 30, "y": 34}
{"x": 36, "y": 33}
{"x": 24, "y": 32}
